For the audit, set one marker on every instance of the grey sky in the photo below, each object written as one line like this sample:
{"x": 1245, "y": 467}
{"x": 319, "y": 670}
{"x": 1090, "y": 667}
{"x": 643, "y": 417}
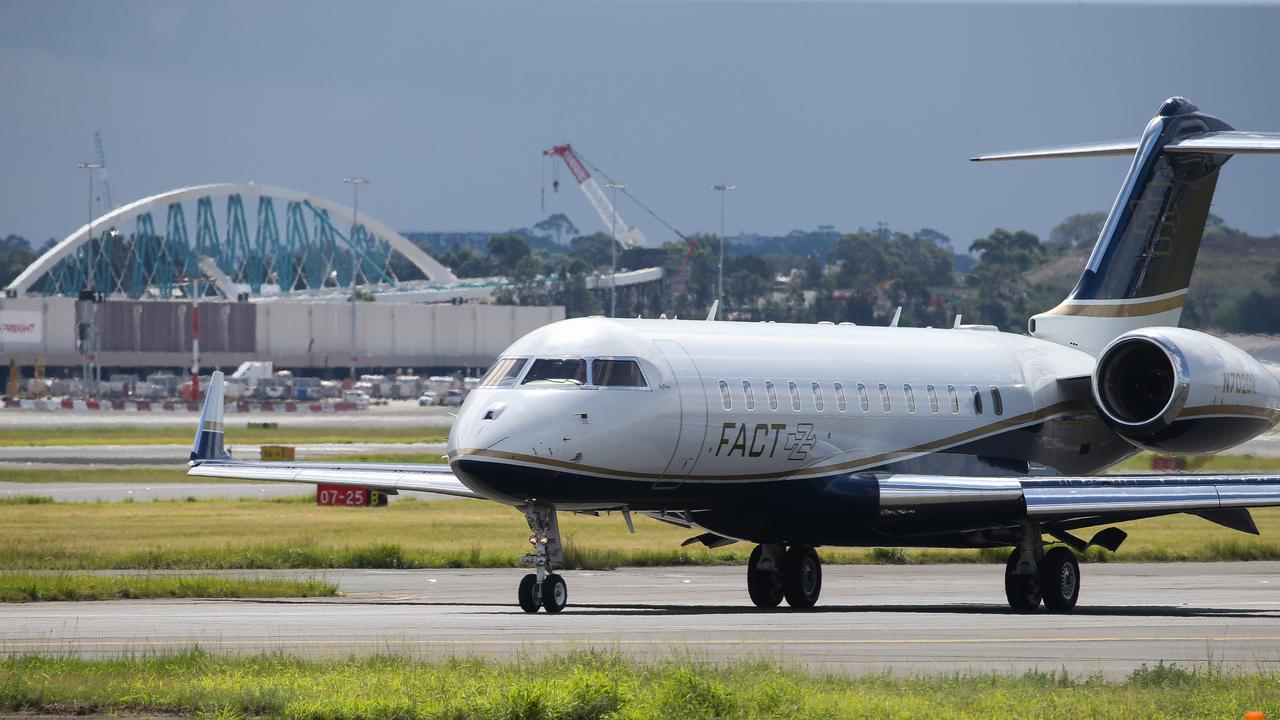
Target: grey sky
{"x": 822, "y": 113}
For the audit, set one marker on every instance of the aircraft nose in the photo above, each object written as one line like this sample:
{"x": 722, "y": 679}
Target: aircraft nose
{"x": 474, "y": 426}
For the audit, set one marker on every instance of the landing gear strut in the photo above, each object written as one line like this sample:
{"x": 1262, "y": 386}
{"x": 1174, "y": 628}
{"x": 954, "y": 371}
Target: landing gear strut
{"x": 543, "y": 588}
{"x": 774, "y": 573}
{"x": 1032, "y": 575}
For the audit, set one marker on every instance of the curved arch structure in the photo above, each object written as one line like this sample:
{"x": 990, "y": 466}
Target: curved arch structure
{"x": 312, "y": 253}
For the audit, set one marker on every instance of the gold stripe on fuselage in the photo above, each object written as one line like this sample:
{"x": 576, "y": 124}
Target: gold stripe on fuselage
{"x": 1125, "y": 308}
{"x": 1030, "y": 418}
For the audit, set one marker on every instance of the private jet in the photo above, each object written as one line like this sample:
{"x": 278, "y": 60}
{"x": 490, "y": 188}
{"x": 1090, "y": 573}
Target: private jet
{"x": 793, "y": 437}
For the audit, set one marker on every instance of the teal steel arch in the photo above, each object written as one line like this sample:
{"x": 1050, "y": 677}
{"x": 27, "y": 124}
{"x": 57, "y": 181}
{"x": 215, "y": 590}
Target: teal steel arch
{"x": 126, "y": 255}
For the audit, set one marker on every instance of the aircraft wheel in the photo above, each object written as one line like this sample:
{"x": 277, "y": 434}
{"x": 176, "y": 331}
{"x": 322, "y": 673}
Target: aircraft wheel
{"x": 801, "y": 576}
{"x": 764, "y": 586}
{"x": 530, "y": 594}
{"x": 555, "y": 593}
{"x": 1060, "y": 579}
{"x": 1022, "y": 591}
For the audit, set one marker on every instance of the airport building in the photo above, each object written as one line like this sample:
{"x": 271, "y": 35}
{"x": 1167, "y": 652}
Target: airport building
{"x": 316, "y": 286}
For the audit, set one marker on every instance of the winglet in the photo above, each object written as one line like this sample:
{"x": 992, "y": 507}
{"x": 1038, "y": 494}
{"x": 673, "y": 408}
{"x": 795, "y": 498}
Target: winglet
{"x": 715, "y": 305}
{"x": 209, "y": 438}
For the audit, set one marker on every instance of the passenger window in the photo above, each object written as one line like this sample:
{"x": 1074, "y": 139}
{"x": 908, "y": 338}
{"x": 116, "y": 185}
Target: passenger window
{"x": 997, "y": 402}
{"x": 933, "y": 399}
{"x": 911, "y": 398}
{"x": 617, "y": 373}
{"x": 817, "y": 397}
{"x": 884, "y": 397}
{"x": 842, "y": 403}
{"x": 725, "y": 397}
{"x": 977, "y": 399}
{"x": 772, "y": 392}
{"x": 862, "y": 398}
{"x": 954, "y": 399}
{"x": 795, "y": 395}
{"x": 503, "y": 373}
{"x": 751, "y": 396}
{"x": 560, "y": 371}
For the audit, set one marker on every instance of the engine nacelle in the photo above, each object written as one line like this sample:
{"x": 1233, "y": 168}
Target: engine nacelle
{"x": 1180, "y": 391}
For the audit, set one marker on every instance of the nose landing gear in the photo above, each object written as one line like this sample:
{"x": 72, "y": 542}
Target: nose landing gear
{"x": 543, "y": 588}
{"x": 774, "y": 573}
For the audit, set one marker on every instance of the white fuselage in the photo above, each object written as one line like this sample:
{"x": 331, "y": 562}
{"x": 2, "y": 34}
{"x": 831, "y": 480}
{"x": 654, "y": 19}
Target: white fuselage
{"x": 728, "y": 402}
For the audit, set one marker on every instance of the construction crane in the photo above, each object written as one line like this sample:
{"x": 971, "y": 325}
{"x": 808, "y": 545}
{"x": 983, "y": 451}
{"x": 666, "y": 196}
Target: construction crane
{"x": 102, "y": 162}
{"x": 627, "y": 236}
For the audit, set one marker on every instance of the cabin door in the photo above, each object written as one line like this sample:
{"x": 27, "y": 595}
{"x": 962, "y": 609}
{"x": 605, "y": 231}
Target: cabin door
{"x": 687, "y": 383}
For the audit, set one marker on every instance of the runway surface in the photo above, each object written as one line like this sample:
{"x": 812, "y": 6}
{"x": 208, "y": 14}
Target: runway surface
{"x": 931, "y": 619}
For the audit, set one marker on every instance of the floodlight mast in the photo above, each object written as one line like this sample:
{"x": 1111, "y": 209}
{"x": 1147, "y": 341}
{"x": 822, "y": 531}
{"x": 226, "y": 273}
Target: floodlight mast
{"x": 618, "y": 228}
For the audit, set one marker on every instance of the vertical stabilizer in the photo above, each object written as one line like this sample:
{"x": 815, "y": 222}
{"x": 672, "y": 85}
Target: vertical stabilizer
{"x": 208, "y": 444}
{"x": 1141, "y": 266}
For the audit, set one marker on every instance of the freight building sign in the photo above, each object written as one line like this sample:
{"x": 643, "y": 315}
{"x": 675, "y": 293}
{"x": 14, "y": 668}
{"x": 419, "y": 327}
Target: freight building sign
{"x": 20, "y": 326}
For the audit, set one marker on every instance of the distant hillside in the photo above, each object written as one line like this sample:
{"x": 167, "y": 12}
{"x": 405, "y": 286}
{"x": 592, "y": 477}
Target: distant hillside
{"x": 1231, "y": 265}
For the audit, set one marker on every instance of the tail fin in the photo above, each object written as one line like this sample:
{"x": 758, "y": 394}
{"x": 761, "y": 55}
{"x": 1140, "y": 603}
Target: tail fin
{"x": 1141, "y": 265}
{"x": 208, "y": 444}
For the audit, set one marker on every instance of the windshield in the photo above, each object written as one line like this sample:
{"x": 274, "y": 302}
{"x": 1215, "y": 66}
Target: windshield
{"x": 563, "y": 371}
{"x": 503, "y": 373}
{"x": 617, "y": 373}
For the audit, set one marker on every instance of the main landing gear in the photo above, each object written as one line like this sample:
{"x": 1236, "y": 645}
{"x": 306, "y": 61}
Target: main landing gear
{"x": 775, "y": 572}
{"x": 1032, "y": 576}
{"x": 543, "y": 588}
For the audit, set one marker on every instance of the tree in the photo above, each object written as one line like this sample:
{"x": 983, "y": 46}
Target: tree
{"x": 1079, "y": 230}
{"x": 507, "y": 251}
{"x": 998, "y": 277}
{"x": 15, "y": 256}
{"x": 558, "y": 225}
{"x": 596, "y": 250}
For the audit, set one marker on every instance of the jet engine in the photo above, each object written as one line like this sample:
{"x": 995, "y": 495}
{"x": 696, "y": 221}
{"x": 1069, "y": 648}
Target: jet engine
{"x": 1180, "y": 391}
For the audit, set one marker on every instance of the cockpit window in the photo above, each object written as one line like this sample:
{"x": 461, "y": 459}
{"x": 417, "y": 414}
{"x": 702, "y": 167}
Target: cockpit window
{"x": 503, "y": 373}
{"x": 617, "y": 373}
{"x": 558, "y": 371}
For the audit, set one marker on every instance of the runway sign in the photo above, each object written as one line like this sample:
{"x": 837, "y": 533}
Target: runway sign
{"x": 347, "y": 496}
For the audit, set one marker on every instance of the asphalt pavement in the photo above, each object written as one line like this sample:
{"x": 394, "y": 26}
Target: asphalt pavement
{"x": 903, "y": 619}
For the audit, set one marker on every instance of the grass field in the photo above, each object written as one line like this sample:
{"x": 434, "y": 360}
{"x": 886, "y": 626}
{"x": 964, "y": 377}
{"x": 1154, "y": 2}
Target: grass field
{"x": 33, "y": 587}
{"x": 294, "y": 533}
{"x": 238, "y": 433}
{"x": 586, "y": 686}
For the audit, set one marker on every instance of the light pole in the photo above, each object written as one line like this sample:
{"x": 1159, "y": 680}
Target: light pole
{"x": 88, "y": 294}
{"x": 723, "y": 190}
{"x": 355, "y": 182}
{"x": 613, "y": 244}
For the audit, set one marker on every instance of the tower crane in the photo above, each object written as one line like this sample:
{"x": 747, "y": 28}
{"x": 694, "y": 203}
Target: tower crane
{"x": 627, "y": 236}
{"x": 102, "y": 162}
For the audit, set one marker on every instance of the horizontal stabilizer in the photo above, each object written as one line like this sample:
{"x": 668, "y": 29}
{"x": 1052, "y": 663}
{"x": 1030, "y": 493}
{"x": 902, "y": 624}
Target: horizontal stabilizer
{"x": 1098, "y": 149}
{"x": 1227, "y": 142}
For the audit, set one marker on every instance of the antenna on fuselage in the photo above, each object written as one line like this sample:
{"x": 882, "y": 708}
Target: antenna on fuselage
{"x": 897, "y": 315}
{"x": 715, "y": 305}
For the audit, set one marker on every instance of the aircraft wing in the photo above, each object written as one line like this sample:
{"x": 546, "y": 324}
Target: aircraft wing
{"x": 418, "y": 477}
{"x": 209, "y": 459}
{"x": 1108, "y": 497}
{"x": 1069, "y": 502}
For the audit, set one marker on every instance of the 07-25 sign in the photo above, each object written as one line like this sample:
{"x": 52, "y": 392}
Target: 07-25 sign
{"x": 348, "y": 496}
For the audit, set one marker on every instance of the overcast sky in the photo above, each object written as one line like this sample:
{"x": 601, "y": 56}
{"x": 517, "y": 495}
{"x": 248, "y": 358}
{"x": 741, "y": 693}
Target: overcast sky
{"x": 840, "y": 113}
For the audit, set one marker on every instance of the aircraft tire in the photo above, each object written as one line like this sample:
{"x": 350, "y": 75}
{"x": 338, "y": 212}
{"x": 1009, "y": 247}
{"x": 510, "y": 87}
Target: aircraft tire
{"x": 801, "y": 576}
{"x": 1022, "y": 591}
{"x": 1060, "y": 580}
{"x": 764, "y": 587}
{"x": 555, "y": 593}
{"x": 529, "y": 595}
